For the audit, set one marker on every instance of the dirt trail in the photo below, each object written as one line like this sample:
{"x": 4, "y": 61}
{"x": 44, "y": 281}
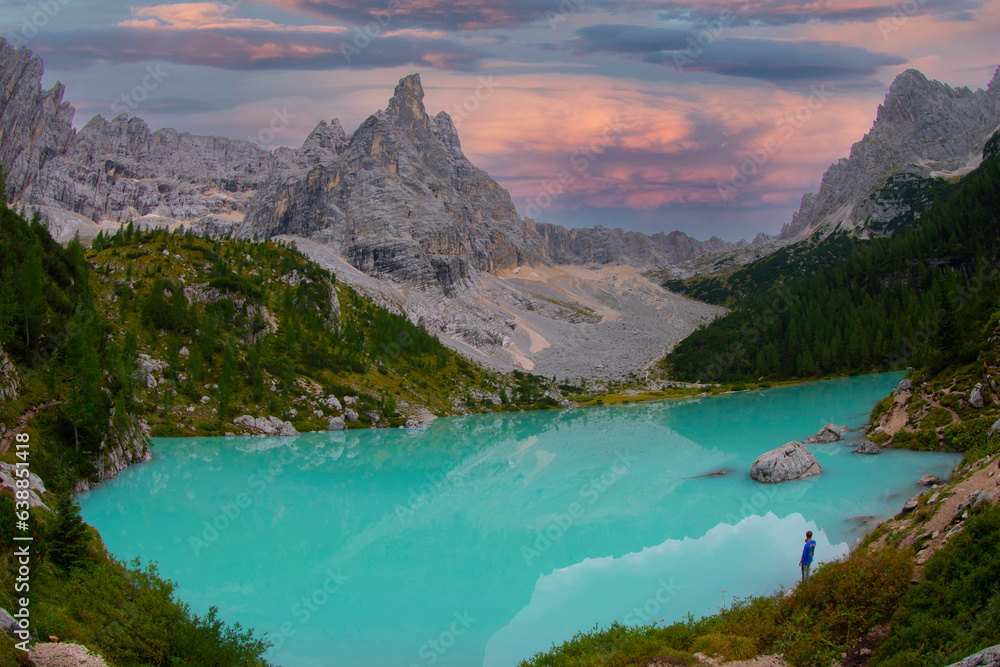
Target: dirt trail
{"x": 64, "y": 655}
{"x": 27, "y": 415}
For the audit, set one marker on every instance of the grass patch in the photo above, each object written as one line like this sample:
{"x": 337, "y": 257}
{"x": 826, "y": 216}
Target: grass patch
{"x": 936, "y": 418}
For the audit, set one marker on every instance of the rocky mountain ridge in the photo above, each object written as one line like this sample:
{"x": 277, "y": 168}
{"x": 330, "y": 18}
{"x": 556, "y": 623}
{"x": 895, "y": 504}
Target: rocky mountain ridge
{"x": 924, "y": 131}
{"x": 395, "y": 208}
{"x": 398, "y": 197}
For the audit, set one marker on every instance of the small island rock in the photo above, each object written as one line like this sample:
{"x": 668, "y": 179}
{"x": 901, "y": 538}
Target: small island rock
{"x": 929, "y": 480}
{"x": 867, "y": 447}
{"x": 828, "y": 433}
{"x": 790, "y": 461}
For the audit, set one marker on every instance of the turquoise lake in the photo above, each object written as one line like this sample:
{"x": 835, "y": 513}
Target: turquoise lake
{"x": 481, "y": 540}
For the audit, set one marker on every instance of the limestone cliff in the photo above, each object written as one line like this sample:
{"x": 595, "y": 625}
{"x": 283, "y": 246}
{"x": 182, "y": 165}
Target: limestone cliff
{"x": 923, "y": 129}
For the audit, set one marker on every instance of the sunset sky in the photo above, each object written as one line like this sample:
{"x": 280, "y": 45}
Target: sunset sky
{"x": 651, "y": 105}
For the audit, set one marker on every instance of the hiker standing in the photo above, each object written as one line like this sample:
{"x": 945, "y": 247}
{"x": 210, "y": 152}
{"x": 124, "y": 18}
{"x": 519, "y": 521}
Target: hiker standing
{"x": 807, "y": 555}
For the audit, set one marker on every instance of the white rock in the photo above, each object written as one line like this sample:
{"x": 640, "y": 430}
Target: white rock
{"x": 332, "y": 402}
{"x": 350, "y": 400}
{"x": 183, "y": 352}
{"x": 245, "y": 420}
{"x": 336, "y": 424}
{"x": 790, "y": 461}
{"x": 350, "y": 415}
{"x": 976, "y": 396}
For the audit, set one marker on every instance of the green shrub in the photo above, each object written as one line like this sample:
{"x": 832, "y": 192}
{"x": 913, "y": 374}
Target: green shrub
{"x": 881, "y": 408}
{"x": 936, "y": 418}
{"x": 923, "y": 440}
{"x": 879, "y": 438}
{"x": 969, "y": 436}
{"x": 955, "y": 609}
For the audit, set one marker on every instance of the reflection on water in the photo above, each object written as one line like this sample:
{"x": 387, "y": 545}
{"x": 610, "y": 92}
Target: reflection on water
{"x": 481, "y": 540}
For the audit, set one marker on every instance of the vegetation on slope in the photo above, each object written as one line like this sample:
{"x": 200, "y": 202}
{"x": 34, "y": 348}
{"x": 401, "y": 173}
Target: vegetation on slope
{"x": 919, "y": 297}
{"x": 233, "y": 328}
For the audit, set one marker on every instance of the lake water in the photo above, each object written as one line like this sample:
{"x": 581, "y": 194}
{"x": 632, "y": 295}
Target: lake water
{"x": 483, "y": 539}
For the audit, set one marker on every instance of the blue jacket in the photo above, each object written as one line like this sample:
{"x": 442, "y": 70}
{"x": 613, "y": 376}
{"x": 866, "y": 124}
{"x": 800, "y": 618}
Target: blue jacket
{"x": 807, "y": 552}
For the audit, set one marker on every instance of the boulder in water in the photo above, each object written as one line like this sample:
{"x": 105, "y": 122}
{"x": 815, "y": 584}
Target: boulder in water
{"x": 867, "y": 447}
{"x": 790, "y": 461}
{"x": 828, "y": 433}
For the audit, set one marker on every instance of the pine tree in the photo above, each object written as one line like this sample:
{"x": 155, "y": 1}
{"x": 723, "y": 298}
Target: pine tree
{"x": 66, "y": 539}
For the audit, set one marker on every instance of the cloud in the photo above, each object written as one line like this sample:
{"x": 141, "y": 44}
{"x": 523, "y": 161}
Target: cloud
{"x": 788, "y": 12}
{"x": 771, "y": 60}
{"x": 438, "y": 14}
{"x": 251, "y": 49}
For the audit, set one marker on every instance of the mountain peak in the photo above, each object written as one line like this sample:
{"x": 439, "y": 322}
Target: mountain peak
{"x": 408, "y": 99}
{"x": 409, "y": 87}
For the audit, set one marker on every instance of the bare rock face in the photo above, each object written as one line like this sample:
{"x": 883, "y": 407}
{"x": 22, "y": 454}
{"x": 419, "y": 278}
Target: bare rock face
{"x": 924, "y": 128}
{"x": 988, "y": 657}
{"x": 790, "y": 461}
{"x": 117, "y": 170}
{"x": 126, "y": 442}
{"x": 829, "y": 433}
{"x": 402, "y": 202}
{"x": 10, "y": 380}
{"x": 976, "y": 396}
{"x": 923, "y": 131}
{"x": 601, "y": 245}
{"x": 35, "y": 125}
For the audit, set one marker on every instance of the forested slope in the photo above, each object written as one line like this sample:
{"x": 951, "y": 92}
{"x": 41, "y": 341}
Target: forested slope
{"x": 917, "y": 297}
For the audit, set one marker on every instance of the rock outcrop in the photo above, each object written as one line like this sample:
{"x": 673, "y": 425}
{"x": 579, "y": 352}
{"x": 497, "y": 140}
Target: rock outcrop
{"x": 397, "y": 198}
{"x": 829, "y": 433}
{"x": 272, "y": 426}
{"x": 402, "y": 202}
{"x": 125, "y": 443}
{"x": 867, "y": 447}
{"x": 35, "y": 125}
{"x": 601, "y": 245}
{"x": 790, "y": 461}
{"x": 8, "y": 480}
{"x": 929, "y": 480}
{"x": 923, "y": 129}
{"x": 988, "y": 657}
{"x": 976, "y": 396}
{"x": 10, "y": 380}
